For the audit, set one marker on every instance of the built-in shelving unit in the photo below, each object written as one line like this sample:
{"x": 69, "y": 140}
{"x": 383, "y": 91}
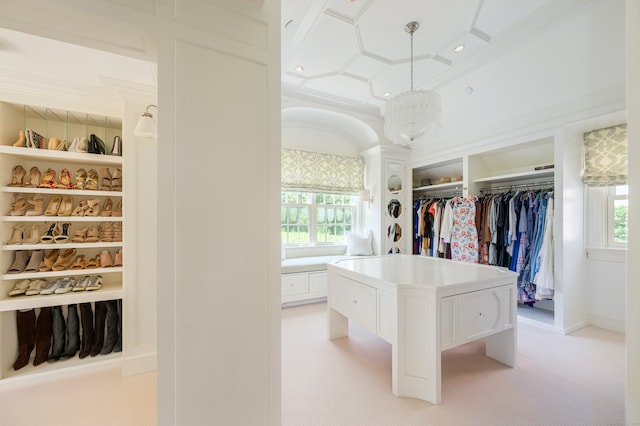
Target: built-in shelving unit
{"x": 64, "y": 125}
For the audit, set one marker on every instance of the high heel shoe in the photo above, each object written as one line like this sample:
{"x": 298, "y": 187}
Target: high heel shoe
{"x": 118, "y": 258}
{"x": 105, "y": 179}
{"x": 34, "y": 177}
{"x": 117, "y": 232}
{"x": 91, "y": 183}
{"x": 81, "y": 178}
{"x": 54, "y": 206}
{"x": 17, "y": 177}
{"x": 19, "y": 262}
{"x": 66, "y": 206}
{"x": 17, "y": 235}
{"x": 80, "y": 235}
{"x": 63, "y": 237}
{"x": 37, "y": 256}
{"x": 34, "y": 235}
{"x": 65, "y": 179}
{"x": 74, "y": 143}
{"x": 49, "y": 260}
{"x": 107, "y": 207}
{"x": 48, "y": 179}
{"x": 56, "y": 144}
{"x": 118, "y": 210}
{"x": 116, "y": 149}
{"x": 80, "y": 209}
{"x": 79, "y": 263}
{"x": 19, "y": 205}
{"x": 34, "y": 140}
{"x": 106, "y": 261}
{"x": 51, "y": 233}
{"x": 82, "y": 145}
{"x": 93, "y": 235}
{"x": 106, "y": 234}
{"x": 116, "y": 180}
{"x": 64, "y": 260}
{"x": 20, "y": 141}
{"x": 36, "y": 205}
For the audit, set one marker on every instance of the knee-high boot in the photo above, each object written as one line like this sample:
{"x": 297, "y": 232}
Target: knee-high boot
{"x": 86, "y": 320}
{"x": 118, "y": 346}
{"x": 26, "y": 327}
{"x": 44, "y": 331}
{"x": 59, "y": 338}
{"x": 112, "y": 327}
{"x": 73, "y": 332}
{"x": 100, "y": 318}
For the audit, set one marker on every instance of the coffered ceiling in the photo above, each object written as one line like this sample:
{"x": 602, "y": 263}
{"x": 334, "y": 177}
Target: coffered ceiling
{"x": 356, "y": 52}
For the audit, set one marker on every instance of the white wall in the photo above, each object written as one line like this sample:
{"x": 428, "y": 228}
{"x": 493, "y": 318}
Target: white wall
{"x": 319, "y": 140}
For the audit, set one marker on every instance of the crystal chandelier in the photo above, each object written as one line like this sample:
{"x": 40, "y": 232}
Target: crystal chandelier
{"x": 411, "y": 115}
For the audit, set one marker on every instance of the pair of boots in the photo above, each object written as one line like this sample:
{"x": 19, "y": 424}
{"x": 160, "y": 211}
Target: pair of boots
{"x": 107, "y": 313}
{"x": 50, "y": 325}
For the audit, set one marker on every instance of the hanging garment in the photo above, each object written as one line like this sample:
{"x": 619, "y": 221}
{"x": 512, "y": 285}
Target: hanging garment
{"x": 464, "y": 235}
{"x": 544, "y": 277}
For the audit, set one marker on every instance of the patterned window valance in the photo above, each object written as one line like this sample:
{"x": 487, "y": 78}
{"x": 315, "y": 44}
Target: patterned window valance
{"x": 605, "y": 156}
{"x": 317, "y": 172}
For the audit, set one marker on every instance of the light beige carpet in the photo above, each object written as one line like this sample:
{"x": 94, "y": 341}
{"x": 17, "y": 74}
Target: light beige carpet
{"x": 576, "y": 379}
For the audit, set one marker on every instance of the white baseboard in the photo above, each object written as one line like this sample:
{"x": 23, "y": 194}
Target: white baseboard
{"x": 607, "y": 324}
{"x": 139, "y": 364}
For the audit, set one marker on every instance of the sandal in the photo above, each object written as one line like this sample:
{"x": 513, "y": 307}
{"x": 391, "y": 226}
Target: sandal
{"x": 107, "y": 207}
{"x": 117, "y": 232}
{"x": 49, "y": 261}
{"x": 20, "y": 288}
{"x": 63, "y": 237}
{"x": 50, "y": 235}
{"x": 105, "y": 179}
{"x": 65, "y": 179}
{"x": 66, "y": 207}
{"x": 118, "y": 259}
{"x": 34, "y": 177}
{"x": 95, "y": 283}
{"x": 34, "y": 238}
{"x": 118, "y": 210}
{"x": 81, "y": 178}
{"x": 91, "y": 183}
{"x": 18, "y": 175}
{"x": 107, "y": 232}
{"x": 116, "y": 181}
{"x": 48, "y": 179}
{"x": 93, "y": 208}
{"x": 64, "y": 260}
{"x": 83, "y": 283}
{"x": 54, "y": 206}
{"x": 35, "y": 287}
{"x": 79, "y": 263}
{"x": 106, "y": 261}
{"x": 17, "y": 235}
{"x": 93, "y": 235}
{"x": 80, "y": 209}
{"x": 36, "y": 205}
{"x": 80, "y": 235}
{"x": 19, "y": 205}
{"x": 93, "y": 263}
{"x": 37, "y": 256}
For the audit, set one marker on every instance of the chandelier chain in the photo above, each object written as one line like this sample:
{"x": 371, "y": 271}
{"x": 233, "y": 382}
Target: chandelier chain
{"x": 412, "y": 60}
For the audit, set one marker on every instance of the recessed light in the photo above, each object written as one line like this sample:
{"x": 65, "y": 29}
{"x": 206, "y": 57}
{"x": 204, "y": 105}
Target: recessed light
{"x": 386, "y": 94}
{"x": 459, "y": 48}
{"x": 299, "y": 68}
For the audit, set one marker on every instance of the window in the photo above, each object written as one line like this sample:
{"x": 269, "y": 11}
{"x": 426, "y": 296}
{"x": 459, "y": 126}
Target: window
{"x": 617, "y": 207}
{"x": 316, "y": 218}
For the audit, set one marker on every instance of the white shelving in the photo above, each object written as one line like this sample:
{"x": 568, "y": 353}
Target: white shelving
{"x": 510, "y": 177}
{"x": 64, "y": 125}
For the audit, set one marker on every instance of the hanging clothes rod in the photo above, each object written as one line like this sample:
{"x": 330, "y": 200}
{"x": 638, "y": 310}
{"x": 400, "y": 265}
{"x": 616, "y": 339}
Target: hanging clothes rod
{"x": 526, "y": 186}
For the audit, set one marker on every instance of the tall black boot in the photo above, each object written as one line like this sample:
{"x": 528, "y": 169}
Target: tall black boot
{"x": 118, "y": 346}
{"x": 59, "y": 338}
{"x": 73, "y": 332}
{"x": 86, "y": 318}
{"x": 44, "y": 331}
{"x": 112, "y": 327}
{"x": 26, "y": 327}
{"x": 100, "y": 318}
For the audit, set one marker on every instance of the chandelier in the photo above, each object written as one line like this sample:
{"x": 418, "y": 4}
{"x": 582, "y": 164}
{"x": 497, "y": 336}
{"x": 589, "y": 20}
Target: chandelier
{"x": 411, "y": 115}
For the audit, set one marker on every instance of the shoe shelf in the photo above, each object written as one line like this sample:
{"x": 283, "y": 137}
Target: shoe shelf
{"x": 98, "y": 245}
{"x": 63, "y": 273}
{"x": 45, "y": 191}
{"x": 108, "y": 291}
{"x": 61, "y": 156}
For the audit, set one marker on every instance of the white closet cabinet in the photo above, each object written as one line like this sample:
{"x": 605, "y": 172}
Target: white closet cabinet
{"x": 64, "y": 125}
{"x": 534, "y": 163}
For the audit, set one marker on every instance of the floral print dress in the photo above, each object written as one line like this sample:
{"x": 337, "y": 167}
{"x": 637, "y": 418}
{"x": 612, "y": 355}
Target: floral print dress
{"x": 464, "y": 235}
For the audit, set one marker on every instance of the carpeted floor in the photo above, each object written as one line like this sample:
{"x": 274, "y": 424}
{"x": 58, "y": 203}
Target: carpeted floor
{"x": 576, "y": 379}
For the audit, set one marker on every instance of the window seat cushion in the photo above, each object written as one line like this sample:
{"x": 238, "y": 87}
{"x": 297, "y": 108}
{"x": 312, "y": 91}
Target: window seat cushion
{"x": 309, "y": 264}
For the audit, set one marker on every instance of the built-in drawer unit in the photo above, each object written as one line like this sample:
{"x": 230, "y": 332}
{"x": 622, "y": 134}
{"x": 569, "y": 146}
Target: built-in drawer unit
{"x": 294, "y": 284}
{"x": 356, "y": 301}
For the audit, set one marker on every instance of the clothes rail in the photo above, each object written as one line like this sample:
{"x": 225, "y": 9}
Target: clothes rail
{"x": 525, "y": 186}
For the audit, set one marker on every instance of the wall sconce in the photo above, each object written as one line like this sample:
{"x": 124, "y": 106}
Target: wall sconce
{"x": 365, "y": 196}
{"x": 147, "y": 126}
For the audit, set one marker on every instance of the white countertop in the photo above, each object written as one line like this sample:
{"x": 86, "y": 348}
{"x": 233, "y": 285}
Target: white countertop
{"x": 420, "y": 271}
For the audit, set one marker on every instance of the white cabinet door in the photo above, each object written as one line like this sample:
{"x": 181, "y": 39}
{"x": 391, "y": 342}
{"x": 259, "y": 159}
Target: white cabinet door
{"x": 318, "y": 283}
{"x": 294, "y": 284}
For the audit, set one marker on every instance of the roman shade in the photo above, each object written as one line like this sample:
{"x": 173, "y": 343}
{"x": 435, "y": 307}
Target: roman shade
{"x": 605, "y": 156}
{"x": 318, "y": 172}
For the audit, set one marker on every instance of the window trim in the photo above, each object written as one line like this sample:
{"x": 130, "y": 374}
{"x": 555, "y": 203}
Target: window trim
{"x": 612, "y": 197}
